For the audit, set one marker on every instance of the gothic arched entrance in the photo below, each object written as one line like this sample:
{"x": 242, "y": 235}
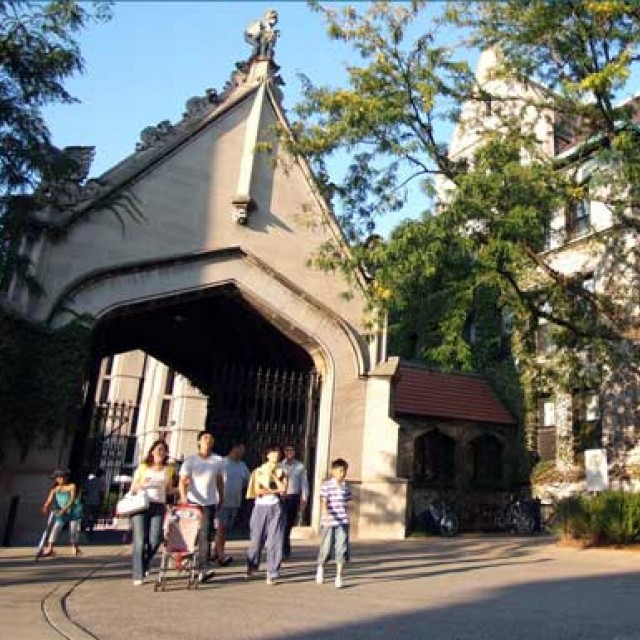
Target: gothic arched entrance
{"x": 249, "y": 382}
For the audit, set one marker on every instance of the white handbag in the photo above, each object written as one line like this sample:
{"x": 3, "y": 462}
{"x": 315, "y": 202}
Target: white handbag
{"x": 132, "y": 503}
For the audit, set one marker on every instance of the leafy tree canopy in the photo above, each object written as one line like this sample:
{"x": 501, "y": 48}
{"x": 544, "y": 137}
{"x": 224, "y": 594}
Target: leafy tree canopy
{"x": 557, "y": 64}
{"x": 38, "y": 52}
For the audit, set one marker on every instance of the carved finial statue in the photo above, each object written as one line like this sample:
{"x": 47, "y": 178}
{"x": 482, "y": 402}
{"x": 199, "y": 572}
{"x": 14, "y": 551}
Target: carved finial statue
{"x": 262, "y": 36}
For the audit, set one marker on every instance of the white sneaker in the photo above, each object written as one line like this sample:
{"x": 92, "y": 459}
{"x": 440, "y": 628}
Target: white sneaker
{"x": 320, "y": 574}
{"x": 272, "y": 580}
{"x": 339, "y": 583}
{"x": 137, "y": 583}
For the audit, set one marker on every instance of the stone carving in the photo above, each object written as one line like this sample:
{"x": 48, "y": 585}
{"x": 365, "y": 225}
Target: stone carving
{"x": 243, "y": 207}
{"x": 150, "y": 136}
{"x": 238, "y": 76}
{"x": 197, "y": 105}
{"x": 262, "y": 36}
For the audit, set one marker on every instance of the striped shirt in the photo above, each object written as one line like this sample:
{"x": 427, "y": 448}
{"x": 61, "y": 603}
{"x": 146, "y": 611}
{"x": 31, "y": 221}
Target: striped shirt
{"x": 336, "y": 494}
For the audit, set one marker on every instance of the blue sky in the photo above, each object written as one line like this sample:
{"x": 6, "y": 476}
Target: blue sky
{"x": 142, "y": 66}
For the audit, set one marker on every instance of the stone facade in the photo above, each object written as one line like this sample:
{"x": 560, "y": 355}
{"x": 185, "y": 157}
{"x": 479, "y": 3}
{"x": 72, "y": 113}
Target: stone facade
{"x": 201, "y": 208}
{"x": 611, "y": 408}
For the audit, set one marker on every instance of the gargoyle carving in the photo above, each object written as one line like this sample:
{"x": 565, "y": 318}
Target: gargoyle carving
{"x": 262, "y": 36}
{"x": 195, "y": 106}
{"x": 150, "y": 136}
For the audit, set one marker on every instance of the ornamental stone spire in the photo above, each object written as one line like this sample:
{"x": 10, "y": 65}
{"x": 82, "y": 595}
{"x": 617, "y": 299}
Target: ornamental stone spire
{"x": 262, "y": 36}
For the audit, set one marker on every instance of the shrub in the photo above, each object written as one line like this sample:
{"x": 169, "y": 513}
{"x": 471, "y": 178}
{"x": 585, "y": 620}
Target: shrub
{"x": 572, "y": 518}
{"x": 611, "y": 517}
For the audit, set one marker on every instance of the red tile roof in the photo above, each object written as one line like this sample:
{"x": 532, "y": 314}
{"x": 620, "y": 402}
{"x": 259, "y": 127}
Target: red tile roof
{"x": 420, "y": 392}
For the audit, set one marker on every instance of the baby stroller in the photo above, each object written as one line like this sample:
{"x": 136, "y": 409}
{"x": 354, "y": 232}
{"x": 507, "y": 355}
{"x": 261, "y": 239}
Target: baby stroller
{"x": 179, "y": 551}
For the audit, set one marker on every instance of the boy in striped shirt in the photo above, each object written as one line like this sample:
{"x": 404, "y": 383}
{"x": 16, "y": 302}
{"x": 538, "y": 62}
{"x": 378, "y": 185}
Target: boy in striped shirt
{"x": 335, "y": 495}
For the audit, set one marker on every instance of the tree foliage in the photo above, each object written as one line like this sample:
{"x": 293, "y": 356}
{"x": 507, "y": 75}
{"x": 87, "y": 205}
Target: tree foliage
{"x": 557, "y": 63}
{"x": 38, "y": 52}
{"x": 41, "y": 372}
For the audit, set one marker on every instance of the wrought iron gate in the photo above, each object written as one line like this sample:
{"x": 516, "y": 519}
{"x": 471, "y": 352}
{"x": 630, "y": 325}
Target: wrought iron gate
{"x": 112, "y": 445}
{"x": 262, "y": 406}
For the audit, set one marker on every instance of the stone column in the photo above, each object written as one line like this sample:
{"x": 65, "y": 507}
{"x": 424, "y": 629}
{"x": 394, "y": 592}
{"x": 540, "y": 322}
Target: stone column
{"x": 383, "y": 496}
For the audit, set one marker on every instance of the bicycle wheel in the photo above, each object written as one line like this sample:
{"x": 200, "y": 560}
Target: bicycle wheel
{"x": 525, "y": 523}
{"x": 449, "y": 526}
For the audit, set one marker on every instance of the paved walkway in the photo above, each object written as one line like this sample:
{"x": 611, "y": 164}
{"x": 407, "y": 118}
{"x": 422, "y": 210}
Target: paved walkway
{"x": 465, "y": 588}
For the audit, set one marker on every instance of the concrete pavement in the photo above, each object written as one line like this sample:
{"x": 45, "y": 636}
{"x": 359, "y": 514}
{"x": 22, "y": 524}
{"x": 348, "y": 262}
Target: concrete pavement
{"x": 465, "y": 588}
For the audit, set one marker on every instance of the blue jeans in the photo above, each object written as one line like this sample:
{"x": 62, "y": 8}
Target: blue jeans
{"x": 336, "y": 539}
{"x": 147, "y": 536}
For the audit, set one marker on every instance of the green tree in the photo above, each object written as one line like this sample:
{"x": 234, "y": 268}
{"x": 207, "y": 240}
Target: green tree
{"x": 496, "y": 201}
{"x": 41, "y": 372}
{"x": 38, "y": 52}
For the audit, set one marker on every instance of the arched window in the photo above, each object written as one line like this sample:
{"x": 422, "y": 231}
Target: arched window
{"x": 434, "y": 458}
{"x": 487, "y": 453}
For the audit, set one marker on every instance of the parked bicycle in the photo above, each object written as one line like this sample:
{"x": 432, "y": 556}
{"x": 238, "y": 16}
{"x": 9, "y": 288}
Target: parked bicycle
{"x": 439, "y": 517}
{"x": 518, "y": 516}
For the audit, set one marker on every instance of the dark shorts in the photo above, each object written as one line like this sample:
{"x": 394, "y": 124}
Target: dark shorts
{"x": 227, "y": 516}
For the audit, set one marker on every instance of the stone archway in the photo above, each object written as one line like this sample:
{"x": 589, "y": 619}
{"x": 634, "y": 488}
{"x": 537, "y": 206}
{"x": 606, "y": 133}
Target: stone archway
{"x": 207, "y": 359}
{"x": 209, "y": 212}
{"x": 230, "y": 320}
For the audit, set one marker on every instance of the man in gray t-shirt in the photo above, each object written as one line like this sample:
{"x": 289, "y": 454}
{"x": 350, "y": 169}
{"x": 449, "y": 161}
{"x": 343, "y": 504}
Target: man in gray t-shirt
{"x": 236, "y": 477}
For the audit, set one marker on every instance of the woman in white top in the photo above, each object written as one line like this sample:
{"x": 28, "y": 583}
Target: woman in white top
{"x": 155, "y": 477}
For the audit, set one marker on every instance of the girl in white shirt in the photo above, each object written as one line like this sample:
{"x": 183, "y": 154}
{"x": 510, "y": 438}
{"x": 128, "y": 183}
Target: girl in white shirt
{"x": 155, "y": 477}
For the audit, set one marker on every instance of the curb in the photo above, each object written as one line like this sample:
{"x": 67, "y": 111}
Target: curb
{"x": 55, "y": 612}
{"x": 54, "y": 608}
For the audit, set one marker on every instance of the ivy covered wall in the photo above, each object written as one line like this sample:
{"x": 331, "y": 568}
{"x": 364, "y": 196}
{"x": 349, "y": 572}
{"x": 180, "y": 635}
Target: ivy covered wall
{"x": 42, "y": 374}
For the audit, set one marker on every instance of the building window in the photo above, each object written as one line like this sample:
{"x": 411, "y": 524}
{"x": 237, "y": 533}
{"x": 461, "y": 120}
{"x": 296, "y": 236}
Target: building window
{"x": 562, "y": 137}
{"x": 104, "y": 391}
{"x": 434, "y": 458}
{"x": 105, "y": 383}
{"x": 470, "y": 331}
{"x": 548, "y": 412}
{"x": 169, "y": 382}
{"x": 547, "y": 428}
{"x": 165, "y": 408}
{"x": 578, "y": 219}
{"x": 108, "y": 365}
{"x": 587, "y": 428}
{"x": 487, "y": 454}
